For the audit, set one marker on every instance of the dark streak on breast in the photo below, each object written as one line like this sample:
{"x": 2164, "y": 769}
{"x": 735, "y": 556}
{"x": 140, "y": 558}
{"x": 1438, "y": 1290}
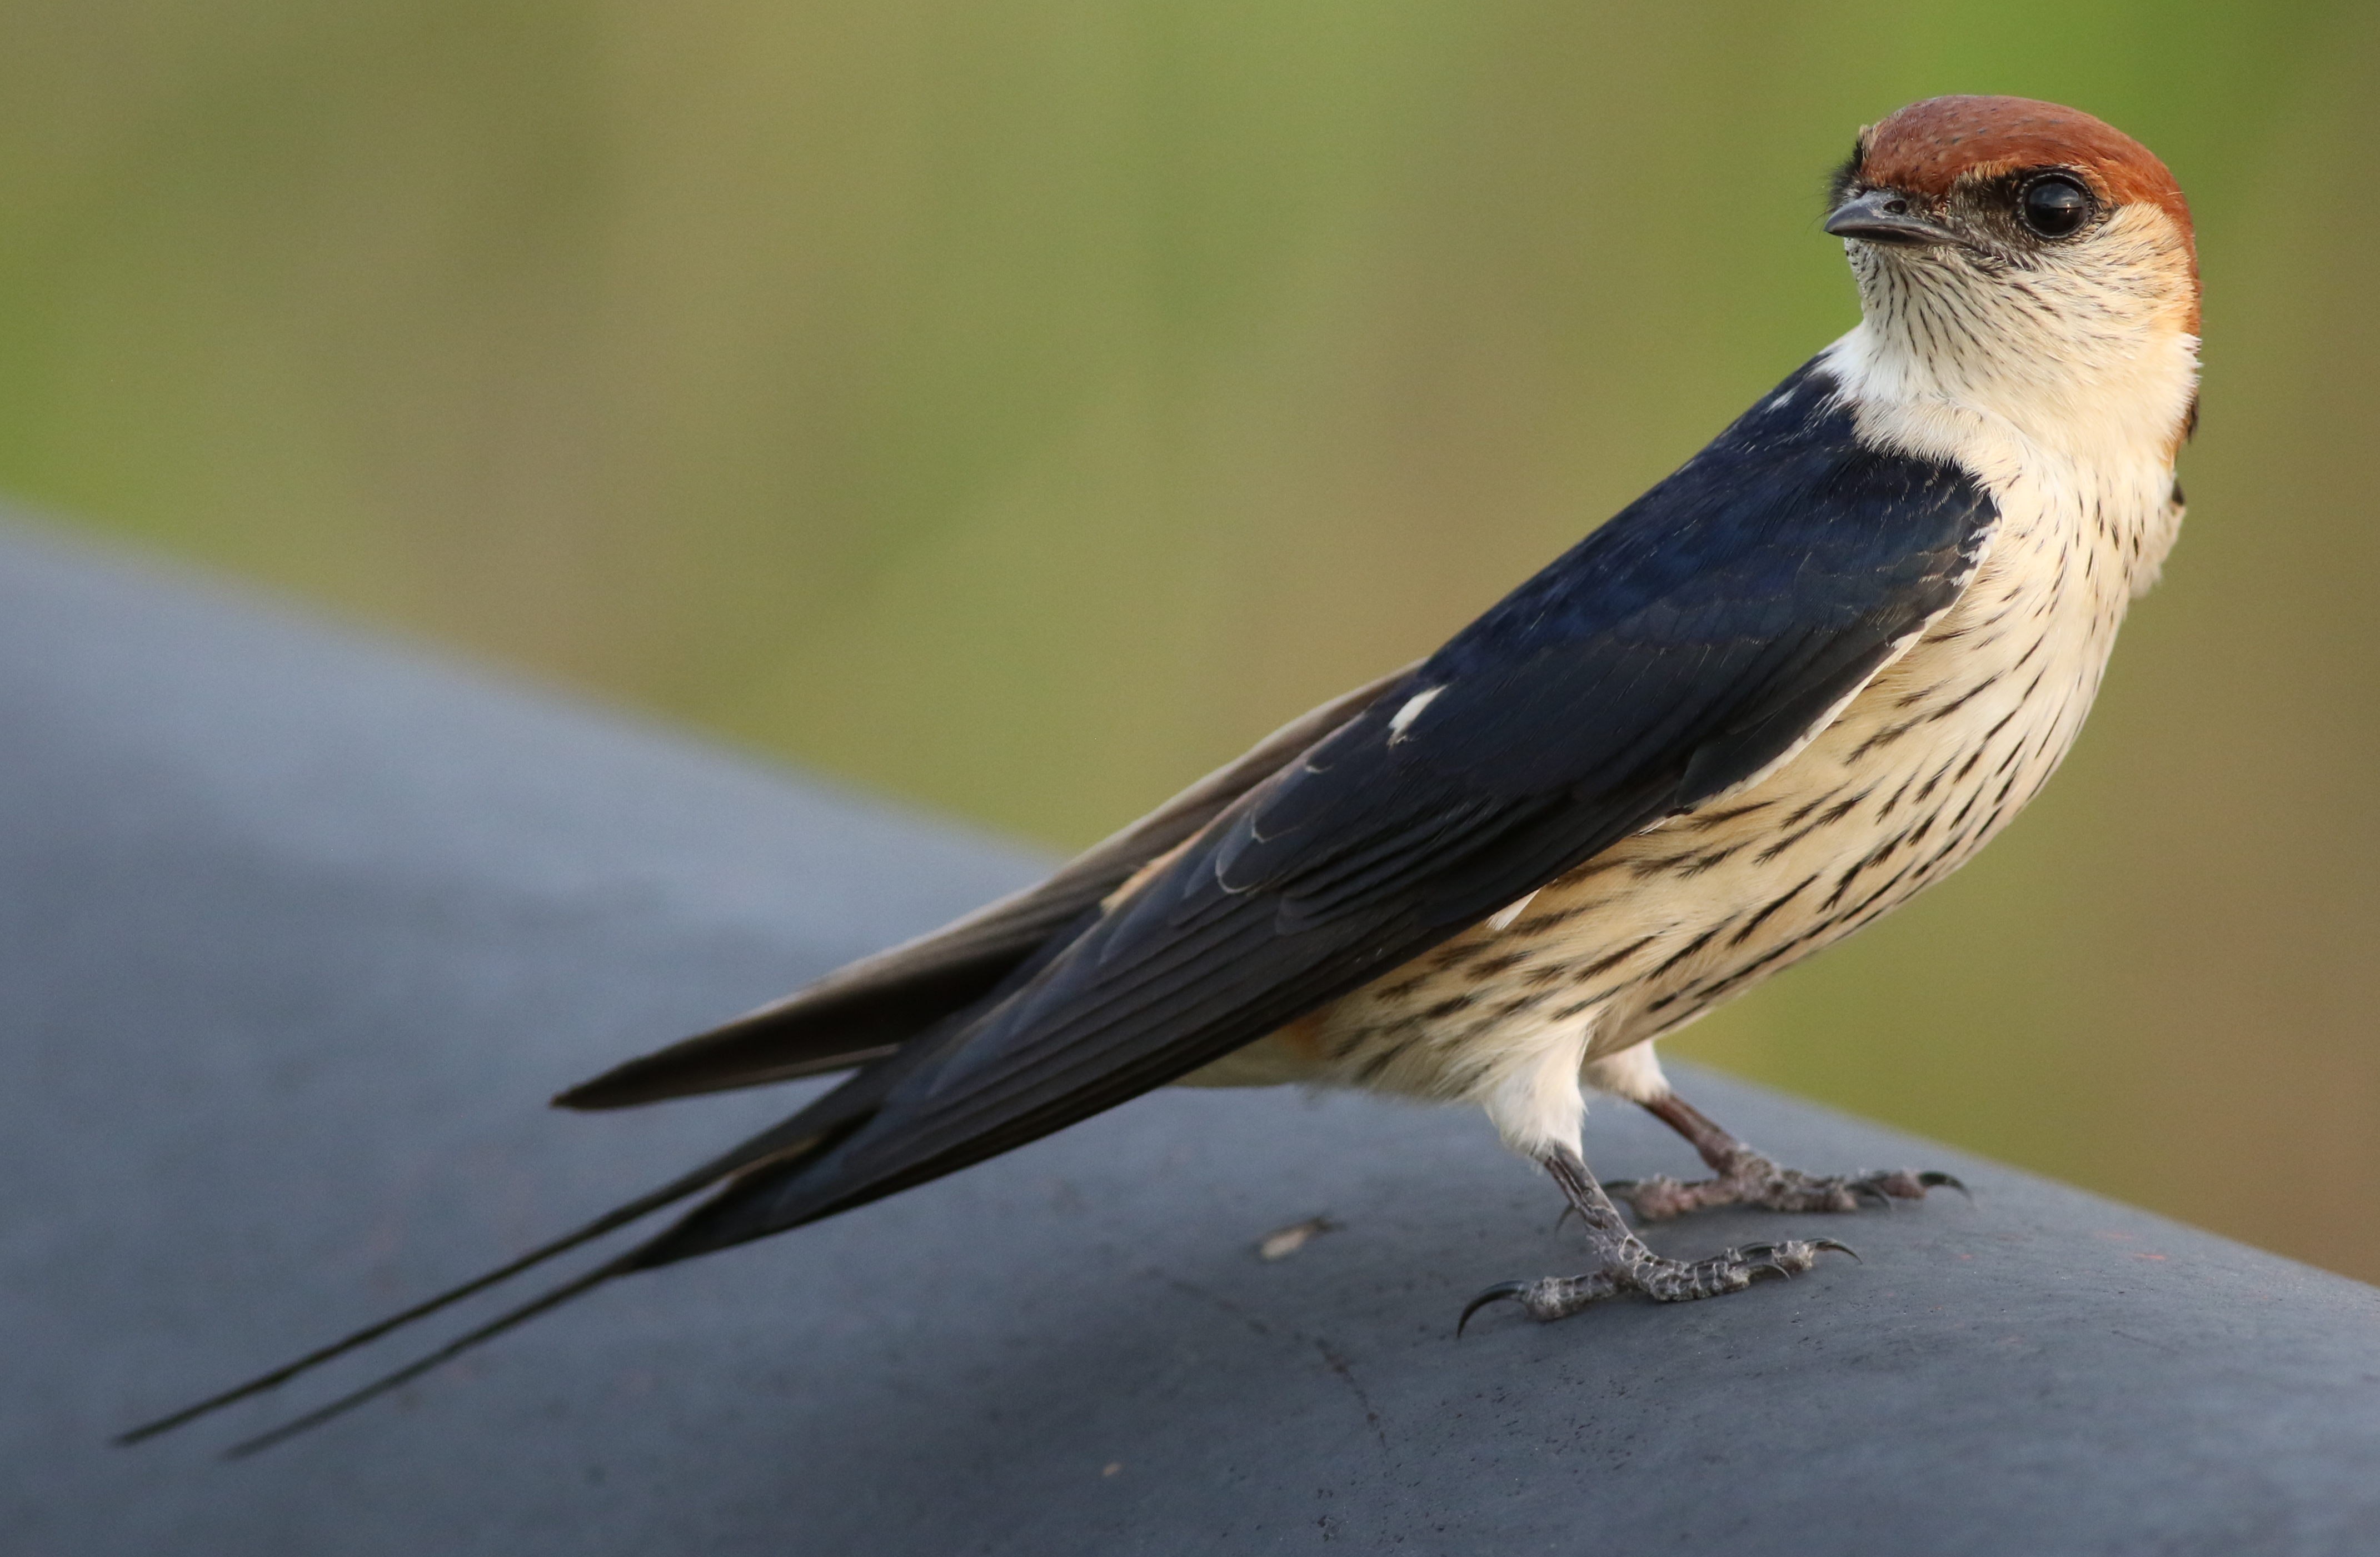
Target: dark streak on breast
{"x": 1689, "y": 949}
{"x": 1703, "y": 821}
{"x": 1761, "y": 918}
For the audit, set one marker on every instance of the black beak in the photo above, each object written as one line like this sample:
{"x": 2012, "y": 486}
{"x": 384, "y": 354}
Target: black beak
{"x": 1889, "y": 217}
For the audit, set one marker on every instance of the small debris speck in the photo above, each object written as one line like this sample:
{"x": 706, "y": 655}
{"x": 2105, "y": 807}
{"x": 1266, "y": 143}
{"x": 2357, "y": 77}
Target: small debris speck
{"x": 1112, "y": 1468}
{"x": 1282, "y": 1242}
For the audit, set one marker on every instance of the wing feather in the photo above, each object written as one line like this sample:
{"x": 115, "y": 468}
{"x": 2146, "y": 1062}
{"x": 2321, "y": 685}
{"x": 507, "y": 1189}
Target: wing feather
{"x": 869, "y": 1008}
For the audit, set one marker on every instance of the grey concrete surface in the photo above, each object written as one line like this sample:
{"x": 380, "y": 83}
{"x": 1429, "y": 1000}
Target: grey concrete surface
{"x": 297, "y": 931}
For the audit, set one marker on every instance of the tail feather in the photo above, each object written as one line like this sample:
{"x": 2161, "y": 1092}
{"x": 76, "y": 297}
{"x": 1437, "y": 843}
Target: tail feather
{"x": 465, "y": 1342}
{"x": 763, "y": 1160}
{"x": 805, "y": 1133}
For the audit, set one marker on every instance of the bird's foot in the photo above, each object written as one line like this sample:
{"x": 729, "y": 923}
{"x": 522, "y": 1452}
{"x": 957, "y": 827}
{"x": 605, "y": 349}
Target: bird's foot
{"x": 1744, "y": 1177}
{"x": 1623, "y": 1264}
{"x": 1635, "y": 1267}
{"x": 1752, "y": 1180}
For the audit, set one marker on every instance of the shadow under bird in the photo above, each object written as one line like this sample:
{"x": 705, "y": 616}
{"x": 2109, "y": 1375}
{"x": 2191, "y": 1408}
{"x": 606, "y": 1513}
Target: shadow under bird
{"x": 1808, "y": 673}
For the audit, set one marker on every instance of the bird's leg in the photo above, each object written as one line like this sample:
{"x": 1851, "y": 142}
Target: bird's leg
{"x": 1624, "y": 1264}
{"x": 1747, "y": 1178}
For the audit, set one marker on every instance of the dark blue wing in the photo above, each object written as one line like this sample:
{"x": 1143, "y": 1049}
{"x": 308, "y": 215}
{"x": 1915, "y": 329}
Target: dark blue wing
{"x": 1674, "y": 653}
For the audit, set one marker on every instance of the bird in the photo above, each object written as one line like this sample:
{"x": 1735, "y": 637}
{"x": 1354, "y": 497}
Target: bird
{"x": 1805, "y": 676}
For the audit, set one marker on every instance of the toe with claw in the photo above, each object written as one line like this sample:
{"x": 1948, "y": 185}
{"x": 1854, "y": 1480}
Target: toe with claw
{"x": 1663, "y": 1279}
{"x": 1756, "y": 1181}
{"x": 1624, "y": 1264}
{"x": 1746, "y": 1177}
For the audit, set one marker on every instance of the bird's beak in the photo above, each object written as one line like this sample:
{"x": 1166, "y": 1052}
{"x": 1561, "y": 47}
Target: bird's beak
{"x": 1887, "y": 217}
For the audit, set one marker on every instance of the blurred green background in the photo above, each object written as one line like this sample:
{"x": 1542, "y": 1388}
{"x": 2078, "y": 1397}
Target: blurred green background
{"x": 1020, "y": 405}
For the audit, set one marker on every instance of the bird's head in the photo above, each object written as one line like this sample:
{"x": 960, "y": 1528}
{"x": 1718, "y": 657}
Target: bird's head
{"x": 2026, "y": 259}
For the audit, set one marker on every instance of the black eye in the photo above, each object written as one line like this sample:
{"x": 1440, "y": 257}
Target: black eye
{"x": 2055, "y": 206}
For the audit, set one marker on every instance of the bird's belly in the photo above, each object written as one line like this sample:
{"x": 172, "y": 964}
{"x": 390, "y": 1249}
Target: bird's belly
{"x": 1924, "y": 767}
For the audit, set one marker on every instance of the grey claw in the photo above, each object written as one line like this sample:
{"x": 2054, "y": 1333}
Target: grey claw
{"x": 1502, "y": 1289}
{"x": 1756, "y": 1258}
{"x": 1817, "y": 1243}
{"x": 1944, "y": 1180}
{"x": 1768, "y": 1267}
{"x": 1867, "y": 1186}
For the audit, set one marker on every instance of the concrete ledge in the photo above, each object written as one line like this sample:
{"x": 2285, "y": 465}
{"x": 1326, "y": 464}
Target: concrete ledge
{"x": 296, "y": 932}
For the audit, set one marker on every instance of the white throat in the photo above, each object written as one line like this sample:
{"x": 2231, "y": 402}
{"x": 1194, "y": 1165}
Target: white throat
{"x": 2090, "y": 357}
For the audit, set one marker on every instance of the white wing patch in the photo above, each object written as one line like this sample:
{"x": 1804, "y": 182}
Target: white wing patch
{"x": 1410, "y": 712}
{"x": 1502, "y": 918}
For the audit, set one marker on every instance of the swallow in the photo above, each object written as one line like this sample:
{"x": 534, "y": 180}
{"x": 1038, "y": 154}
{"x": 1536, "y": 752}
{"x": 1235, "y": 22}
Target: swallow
{"x": 1804, "y": 677}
